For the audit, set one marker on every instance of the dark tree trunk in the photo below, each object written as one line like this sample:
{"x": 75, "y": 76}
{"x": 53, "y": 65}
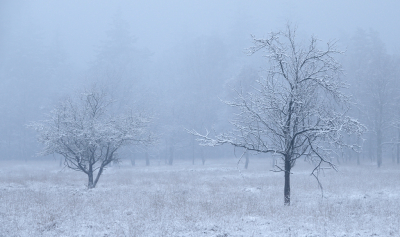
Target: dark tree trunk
{"x": 92, "y": 183}
{"x": 286, "y": 191}
{"x": 90, "y": 176}
{"x": 98, "y": 175}
{"x": 147, "y": 159}
{"x": 246, "y": 165}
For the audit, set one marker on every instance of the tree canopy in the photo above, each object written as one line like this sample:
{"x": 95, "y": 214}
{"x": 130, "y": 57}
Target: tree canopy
{"x": 85, "y": 132}
{"x": 297, "y": 109}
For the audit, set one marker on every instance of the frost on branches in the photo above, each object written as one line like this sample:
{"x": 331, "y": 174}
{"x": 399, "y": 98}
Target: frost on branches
{"x": 297, "y": 110}
{"x": 88, "y": 136}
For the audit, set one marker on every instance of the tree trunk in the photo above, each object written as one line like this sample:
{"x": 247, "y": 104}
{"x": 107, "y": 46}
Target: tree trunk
{"x": 115, "y": 162}
{"x": 90, "y": 176}
{"x": 398, "y": 146}
{"x": 203, "y": 160}
{"x": 379, "y": 148}
{"x": 171, "y": 155}
{"x": 393, "y": 154}
{"x": 398, "y": 153}
{"x": 133, "y": 161}
{"x": 286, "y": 191}
{"x": 92, "y": 183}
{"x": 193, "y": 150}
{"x": 358, "y": 153}
{"x": 147, "y": 159}
{"x": 273, "y": 161}
{"x": 371, "y": 148}
{"x": 338, "y": 159}
{"x": 98, "y": 175}
{"x": 247, "y": 160}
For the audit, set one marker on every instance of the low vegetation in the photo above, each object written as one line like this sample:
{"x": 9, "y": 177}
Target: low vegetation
{"x": 219, "y": 199}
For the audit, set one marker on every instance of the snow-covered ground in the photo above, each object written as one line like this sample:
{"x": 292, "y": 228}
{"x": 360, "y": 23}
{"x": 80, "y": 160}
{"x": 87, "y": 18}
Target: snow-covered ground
{"x": 38, "y": 198}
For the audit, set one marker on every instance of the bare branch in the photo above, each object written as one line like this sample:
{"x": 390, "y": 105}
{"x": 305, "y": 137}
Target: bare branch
{"x": 298, "y": 109}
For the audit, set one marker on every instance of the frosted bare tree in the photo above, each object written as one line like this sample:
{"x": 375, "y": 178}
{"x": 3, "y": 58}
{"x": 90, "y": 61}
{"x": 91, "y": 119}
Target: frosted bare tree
{"x": 87, "y": 135}
{"x": 297, "y": 110}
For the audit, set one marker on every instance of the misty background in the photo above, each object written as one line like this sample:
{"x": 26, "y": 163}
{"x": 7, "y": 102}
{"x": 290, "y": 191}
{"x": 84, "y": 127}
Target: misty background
{"x": 178, "y": 59}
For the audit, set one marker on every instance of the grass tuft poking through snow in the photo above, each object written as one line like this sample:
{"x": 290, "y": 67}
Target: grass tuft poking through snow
{"x": 38, "y": 198}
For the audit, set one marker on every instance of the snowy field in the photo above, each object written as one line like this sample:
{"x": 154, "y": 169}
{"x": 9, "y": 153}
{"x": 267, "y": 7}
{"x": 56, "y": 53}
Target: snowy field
{"x": 38, "y": 198}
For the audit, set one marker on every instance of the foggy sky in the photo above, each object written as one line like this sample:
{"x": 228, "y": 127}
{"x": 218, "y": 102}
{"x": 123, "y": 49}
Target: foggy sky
{"x": 187, "y": 54}
{"x": 158, "y": 24}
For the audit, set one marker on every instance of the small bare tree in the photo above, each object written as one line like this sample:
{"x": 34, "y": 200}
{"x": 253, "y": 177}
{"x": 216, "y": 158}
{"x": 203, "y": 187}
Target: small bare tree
{"x": 85, "y": 133}
{"x": 297, "y": 110}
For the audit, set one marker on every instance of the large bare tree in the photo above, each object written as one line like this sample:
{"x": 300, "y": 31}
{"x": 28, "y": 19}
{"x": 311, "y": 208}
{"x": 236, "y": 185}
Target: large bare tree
{"x": 85, "y": 132}
{"x": 297, "y": 109}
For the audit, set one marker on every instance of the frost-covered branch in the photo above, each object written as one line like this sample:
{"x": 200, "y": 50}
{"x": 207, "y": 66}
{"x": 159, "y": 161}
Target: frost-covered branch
{"x": 297, "y": 110}
{"x": 88, "y": 136}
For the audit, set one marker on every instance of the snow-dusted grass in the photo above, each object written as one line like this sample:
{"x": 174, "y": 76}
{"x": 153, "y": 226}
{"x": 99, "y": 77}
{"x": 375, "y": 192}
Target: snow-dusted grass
{"x": 38, "y": 198}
